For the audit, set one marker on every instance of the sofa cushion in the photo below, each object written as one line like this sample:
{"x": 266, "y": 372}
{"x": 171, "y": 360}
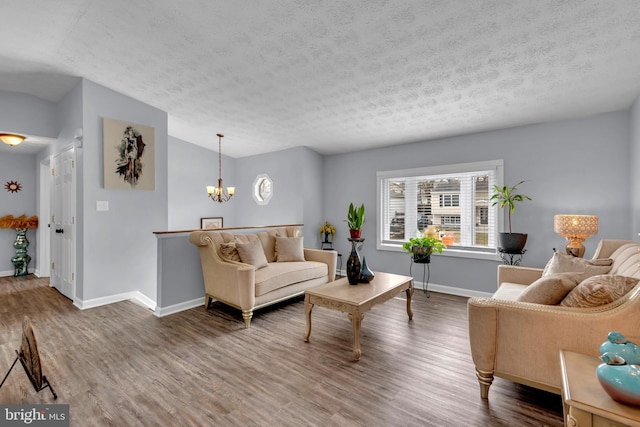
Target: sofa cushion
{"x": 550, "y": 289}
{"x": 626, "y": 260}
{"x": 252, "y": 253}
{"x": 563, "y": 263}
{"x": 599, "y": 290}
{"x": 289, "y": 249}
{"x": 229, "y": 252}
{"x": 277, "y": 275}
{"x": 509, "y": 291}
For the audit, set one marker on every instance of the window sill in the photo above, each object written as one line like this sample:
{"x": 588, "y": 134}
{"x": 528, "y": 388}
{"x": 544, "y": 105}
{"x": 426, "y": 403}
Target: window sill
{"x": 455, "y": 253}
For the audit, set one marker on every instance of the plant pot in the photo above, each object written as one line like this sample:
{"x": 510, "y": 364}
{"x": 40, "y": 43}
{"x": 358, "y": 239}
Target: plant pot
{"x": 512, "y": 243}
{"x": 421, "y": 254}
{"x": 355, "y": 234}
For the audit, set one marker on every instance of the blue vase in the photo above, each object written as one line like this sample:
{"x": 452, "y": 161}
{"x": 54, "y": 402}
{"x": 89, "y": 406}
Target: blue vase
{"x": 620, "y": 380}
{"x": 366, "y": 275}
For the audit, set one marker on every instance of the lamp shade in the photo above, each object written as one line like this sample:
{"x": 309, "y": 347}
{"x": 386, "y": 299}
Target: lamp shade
{"x": 575, "y": 226}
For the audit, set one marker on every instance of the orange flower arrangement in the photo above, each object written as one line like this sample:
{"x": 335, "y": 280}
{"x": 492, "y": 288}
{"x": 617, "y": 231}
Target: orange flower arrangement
{"x": 8, "y": 221}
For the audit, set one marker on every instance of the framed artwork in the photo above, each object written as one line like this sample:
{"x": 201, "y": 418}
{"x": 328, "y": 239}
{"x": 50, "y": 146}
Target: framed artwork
{"x": 215, "y": 222}
{"x": 129, "y": 155}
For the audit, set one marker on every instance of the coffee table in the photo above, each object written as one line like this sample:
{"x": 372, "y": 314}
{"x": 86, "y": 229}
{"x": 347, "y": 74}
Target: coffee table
{"x": 355, "y": 300}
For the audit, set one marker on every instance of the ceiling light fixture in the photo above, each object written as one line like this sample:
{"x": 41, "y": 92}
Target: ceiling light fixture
{"x": 11, "y": 139}
{"x": 218, "y": 194}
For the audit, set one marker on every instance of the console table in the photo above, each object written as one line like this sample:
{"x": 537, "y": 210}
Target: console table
{"x": 585, "y": 403}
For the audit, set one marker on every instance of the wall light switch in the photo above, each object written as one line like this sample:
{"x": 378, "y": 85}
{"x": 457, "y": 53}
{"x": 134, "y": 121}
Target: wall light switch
{"x": 102, "y": 205}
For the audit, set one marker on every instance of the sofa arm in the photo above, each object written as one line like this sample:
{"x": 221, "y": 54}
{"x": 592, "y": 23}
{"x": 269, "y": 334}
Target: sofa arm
{"x": 522, "y": 340}
{"x": 517, "y": 274}
{"x": 328, "y": 257}
{"x": 229, "y": 281}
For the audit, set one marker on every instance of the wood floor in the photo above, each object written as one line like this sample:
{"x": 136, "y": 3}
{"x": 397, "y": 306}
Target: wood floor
{"x": 119, "y": 365}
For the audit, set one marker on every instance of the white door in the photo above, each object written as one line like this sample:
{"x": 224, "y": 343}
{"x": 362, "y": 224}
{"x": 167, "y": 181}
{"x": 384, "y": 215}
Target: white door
{"x": 63, "y": 228}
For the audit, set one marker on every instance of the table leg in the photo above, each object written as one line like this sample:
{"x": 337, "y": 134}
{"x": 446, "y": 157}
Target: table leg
{"x": 356, "y": 321}
{"x": 307, "y": 310}
{"x": 409, "y": 294}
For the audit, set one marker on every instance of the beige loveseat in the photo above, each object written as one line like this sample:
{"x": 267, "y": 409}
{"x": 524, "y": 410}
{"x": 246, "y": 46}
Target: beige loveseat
{"x": 521, "y": 341}
{"x": 249, "y": 286}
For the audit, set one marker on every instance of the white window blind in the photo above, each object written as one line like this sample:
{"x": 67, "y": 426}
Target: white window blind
{"x": 453, "y": 198}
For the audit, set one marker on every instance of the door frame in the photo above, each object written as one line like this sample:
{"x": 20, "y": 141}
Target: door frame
{"x": 43, "y": 269}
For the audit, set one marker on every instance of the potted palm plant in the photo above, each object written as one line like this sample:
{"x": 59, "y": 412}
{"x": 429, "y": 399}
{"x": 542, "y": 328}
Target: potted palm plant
{"x": 421, "y": 248}
{"x": 507, "y": 197}
{"x": 355, "y": 220}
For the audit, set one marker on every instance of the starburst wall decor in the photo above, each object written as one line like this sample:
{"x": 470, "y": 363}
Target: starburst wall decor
{"x": 13, "y": 186}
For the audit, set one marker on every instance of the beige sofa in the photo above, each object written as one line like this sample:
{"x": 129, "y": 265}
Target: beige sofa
{"x": 521, "y": 341}
{"x": 246, "y": 287}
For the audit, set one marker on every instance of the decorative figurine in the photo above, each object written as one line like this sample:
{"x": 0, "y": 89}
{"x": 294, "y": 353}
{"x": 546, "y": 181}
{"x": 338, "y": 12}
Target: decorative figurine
{"x": 617, "y": 344}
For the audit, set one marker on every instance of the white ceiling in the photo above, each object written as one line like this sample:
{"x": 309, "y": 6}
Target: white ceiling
{"x": 335, "y": 76}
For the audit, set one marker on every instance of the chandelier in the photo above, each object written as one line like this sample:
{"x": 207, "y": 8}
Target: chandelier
{"x": 11, "y": 139}
{"x": 219, "y": 194}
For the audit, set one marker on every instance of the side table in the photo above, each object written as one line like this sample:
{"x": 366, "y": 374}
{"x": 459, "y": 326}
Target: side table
{"x": 584, "y": 401}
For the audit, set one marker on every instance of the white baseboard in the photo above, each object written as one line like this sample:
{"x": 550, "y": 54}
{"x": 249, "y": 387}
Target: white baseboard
{"x": 165, "y": 311}
{"x": 451, "y": 290}
{"x": 135, "y": 296}
{"x": 442, "y": 289}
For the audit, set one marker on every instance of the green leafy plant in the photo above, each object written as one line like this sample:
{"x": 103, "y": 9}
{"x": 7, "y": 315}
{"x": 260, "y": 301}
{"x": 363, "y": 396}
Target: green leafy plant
{"x": 355, "y": 217}
{"x": 424, "y": 242}
{"x": 506, "y": 197}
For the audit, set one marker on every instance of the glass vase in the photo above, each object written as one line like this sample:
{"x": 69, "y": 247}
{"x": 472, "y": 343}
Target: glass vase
{"x": 354, "y": 265}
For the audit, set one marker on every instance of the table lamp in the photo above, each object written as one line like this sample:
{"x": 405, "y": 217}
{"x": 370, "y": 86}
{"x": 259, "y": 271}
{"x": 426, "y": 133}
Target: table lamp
{"x": 575, "y": 228}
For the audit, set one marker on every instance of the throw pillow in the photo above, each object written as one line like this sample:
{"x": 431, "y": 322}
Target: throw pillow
{"x": 252, "y": 253}
{"x": 550, "y": 289}
{"x": 289, "y": 249}
{"x": 563, "y": 263}
{"x": 229, "y": 252}
{"x": 599, "y": 290}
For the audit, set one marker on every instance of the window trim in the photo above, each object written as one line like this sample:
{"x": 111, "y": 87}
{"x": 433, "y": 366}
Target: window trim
{"x": 497, "y": 165}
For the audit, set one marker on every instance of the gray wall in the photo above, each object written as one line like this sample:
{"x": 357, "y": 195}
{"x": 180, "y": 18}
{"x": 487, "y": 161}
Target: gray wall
{"x": 119, "y": 248}
{"x": 191, "y": 169}
{"x": 574, "y": 166}
{"x": 297, "y": 181}
{"x": 20, "y": 168}
{"x": 634, "y": 161}
{"x": 26, "y": 114}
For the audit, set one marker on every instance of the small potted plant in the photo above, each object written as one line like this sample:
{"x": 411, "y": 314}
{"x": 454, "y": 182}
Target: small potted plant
{"x": 507, "y": 197}
{"x": 421, "y": 248}
{"x": 327, "y": 230}
{"x": 355, "y": 220}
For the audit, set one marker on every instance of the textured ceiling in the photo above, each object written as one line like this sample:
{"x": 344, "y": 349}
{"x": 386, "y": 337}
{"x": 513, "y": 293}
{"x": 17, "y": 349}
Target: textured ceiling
{"x": 335, "y": 76}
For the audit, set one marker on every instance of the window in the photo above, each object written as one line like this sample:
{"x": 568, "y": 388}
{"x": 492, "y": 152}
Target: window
{"x": 449, "y": 200}
{"x": 455, "y": 199}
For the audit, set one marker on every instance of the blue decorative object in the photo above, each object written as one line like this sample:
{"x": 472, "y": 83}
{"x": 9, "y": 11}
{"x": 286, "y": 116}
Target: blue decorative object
{"x": 620, "y": 380}
{"x": 617, "y": 344}
{"x": 366, "y": 275}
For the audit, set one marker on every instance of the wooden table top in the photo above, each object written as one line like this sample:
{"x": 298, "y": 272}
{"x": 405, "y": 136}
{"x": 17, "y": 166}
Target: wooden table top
{"x": 341, "y": 290}
{"x": 582, "y": 390}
